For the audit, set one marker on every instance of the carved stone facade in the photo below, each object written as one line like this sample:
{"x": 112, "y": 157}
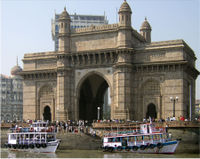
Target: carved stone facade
{"x": 142, "y": 75}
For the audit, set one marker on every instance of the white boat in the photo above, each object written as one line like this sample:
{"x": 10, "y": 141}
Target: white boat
{"x": 37, "y": 138}
{"x": 148, "y": 139}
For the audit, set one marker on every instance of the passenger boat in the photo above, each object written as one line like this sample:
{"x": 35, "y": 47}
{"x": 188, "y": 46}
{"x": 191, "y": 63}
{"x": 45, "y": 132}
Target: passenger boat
{"x": 36, "y": 138}
{"x": 148, "y": 139}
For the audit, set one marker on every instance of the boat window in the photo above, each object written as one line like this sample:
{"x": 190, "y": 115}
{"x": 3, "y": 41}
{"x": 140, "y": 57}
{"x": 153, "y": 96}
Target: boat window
{"x": 124, "y": 141}
{"x": 117, "y": 139}
{"x": 139, "y": 138}
{"x": 156, "y": 137}
{"x": 43, "y": 136}
{"x": 110, "y": 139}
{"x": 131, "y": 139}
{"x": 50, "y": 137}
{"x": 26, "y": 137}
{"x": 146, "y": 138}
{"x": 164, "y": 136}
{"x": 13, "y": 137}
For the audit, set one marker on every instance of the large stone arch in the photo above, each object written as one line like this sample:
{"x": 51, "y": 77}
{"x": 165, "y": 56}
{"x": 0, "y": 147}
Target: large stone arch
{"x": 150, "y": 93}
{"x": 46, "y": 97}
{"x": 98, "y": 96}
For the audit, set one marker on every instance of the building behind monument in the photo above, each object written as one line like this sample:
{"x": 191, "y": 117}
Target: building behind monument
{"x": 77, "y": 21}
{"x": 11, "y": 96}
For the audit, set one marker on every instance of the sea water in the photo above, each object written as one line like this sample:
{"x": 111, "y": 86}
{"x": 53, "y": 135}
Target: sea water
{"x": 5, "y": 153}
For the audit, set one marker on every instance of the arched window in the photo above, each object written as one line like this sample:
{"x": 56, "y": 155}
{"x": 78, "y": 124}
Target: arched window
{"x": 127, "y": 19}
{"x": 122, "y": 18}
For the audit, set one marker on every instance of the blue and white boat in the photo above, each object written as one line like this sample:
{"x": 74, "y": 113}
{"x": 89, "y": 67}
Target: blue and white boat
{"x": 148, "y": 139}
{"x": 37, "y": 138}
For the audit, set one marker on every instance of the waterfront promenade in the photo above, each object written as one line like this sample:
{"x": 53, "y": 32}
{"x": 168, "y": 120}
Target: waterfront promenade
{"x": 170, "y": 124}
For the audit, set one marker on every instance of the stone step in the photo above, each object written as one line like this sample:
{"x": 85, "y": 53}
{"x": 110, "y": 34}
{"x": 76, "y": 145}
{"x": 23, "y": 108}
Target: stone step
{"x": 78, "y": 141}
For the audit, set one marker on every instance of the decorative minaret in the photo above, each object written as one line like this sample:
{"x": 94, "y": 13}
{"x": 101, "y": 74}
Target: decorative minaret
{"x": 64, "y": 32}
{"x": 125, "y": 29}
{"x": 145, "y": 31}
{"x": 125, "y": 14}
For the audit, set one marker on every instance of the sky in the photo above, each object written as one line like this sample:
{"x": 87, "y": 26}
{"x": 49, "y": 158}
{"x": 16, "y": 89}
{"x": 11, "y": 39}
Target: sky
{"x": 25, "y": 25}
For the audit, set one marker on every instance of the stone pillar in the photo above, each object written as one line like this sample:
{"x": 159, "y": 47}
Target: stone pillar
{"x": 124, "y": 38}
{"x": 60, "y": 111}
{"x": 122, "y": 92}
{"x": 29, "y": 100}
{"x": 64, "y": 108}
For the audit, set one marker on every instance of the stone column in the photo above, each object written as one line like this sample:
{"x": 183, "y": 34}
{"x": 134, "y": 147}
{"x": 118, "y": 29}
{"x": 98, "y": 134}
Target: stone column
{"x": 122, "y": 87}
{"x": 64, "y": 108}
{"x": 29, "y": 100}
{"x": 60, "y": 111}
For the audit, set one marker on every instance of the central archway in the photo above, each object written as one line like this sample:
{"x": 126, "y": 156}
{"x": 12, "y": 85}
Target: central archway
{"x": 94, "y": 93}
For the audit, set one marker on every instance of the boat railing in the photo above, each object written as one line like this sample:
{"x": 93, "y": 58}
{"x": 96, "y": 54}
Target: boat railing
{"x": 120, "y": 133}
{"x": 21, "y": 139}
{"x": 31, "y": 129}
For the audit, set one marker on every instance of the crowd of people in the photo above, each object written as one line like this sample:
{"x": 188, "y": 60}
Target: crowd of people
{"x": 84, "y": 126}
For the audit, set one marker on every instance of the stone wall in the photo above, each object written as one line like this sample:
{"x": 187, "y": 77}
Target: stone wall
{"x": 29, "y": 99}
{"x": 93, "y": 41}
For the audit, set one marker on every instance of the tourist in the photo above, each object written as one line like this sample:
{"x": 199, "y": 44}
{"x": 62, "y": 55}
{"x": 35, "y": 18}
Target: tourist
{"x": 182, "y": 118}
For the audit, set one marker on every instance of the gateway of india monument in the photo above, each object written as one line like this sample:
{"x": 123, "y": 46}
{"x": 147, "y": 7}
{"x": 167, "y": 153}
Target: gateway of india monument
{"x": 145, "y": 78}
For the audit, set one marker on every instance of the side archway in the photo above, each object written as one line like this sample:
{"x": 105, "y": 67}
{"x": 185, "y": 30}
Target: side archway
{"x": 151, "y": 99}
{"x": 46, "y": 101}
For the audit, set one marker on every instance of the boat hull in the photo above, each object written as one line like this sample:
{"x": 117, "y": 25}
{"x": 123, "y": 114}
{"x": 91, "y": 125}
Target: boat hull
{"x": 167, "y": 148}
{"x": 51, "y": 147}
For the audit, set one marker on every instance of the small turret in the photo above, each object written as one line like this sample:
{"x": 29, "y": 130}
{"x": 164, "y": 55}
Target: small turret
{"x": 125, "y": 14}
{"x": 64, "y": 31}
{"x": 125, "y": 29}
{"x": 145, "y": 31}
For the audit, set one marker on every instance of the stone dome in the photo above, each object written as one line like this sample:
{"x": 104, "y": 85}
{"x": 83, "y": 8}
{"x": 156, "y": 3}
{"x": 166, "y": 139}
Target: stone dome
{"x": 15, "y": 70}
{"x": 145, "y": 25}
{"x": 125, "y": 7}
{"x": 64, "y": 14}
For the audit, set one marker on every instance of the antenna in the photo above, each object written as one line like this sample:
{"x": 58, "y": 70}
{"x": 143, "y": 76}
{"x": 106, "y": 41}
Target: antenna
{"x": 17, "y": 60}
{"x": 116, "y": 15}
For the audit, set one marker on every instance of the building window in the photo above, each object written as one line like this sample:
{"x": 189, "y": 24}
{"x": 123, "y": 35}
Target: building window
{"x": 122, "y": 18}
